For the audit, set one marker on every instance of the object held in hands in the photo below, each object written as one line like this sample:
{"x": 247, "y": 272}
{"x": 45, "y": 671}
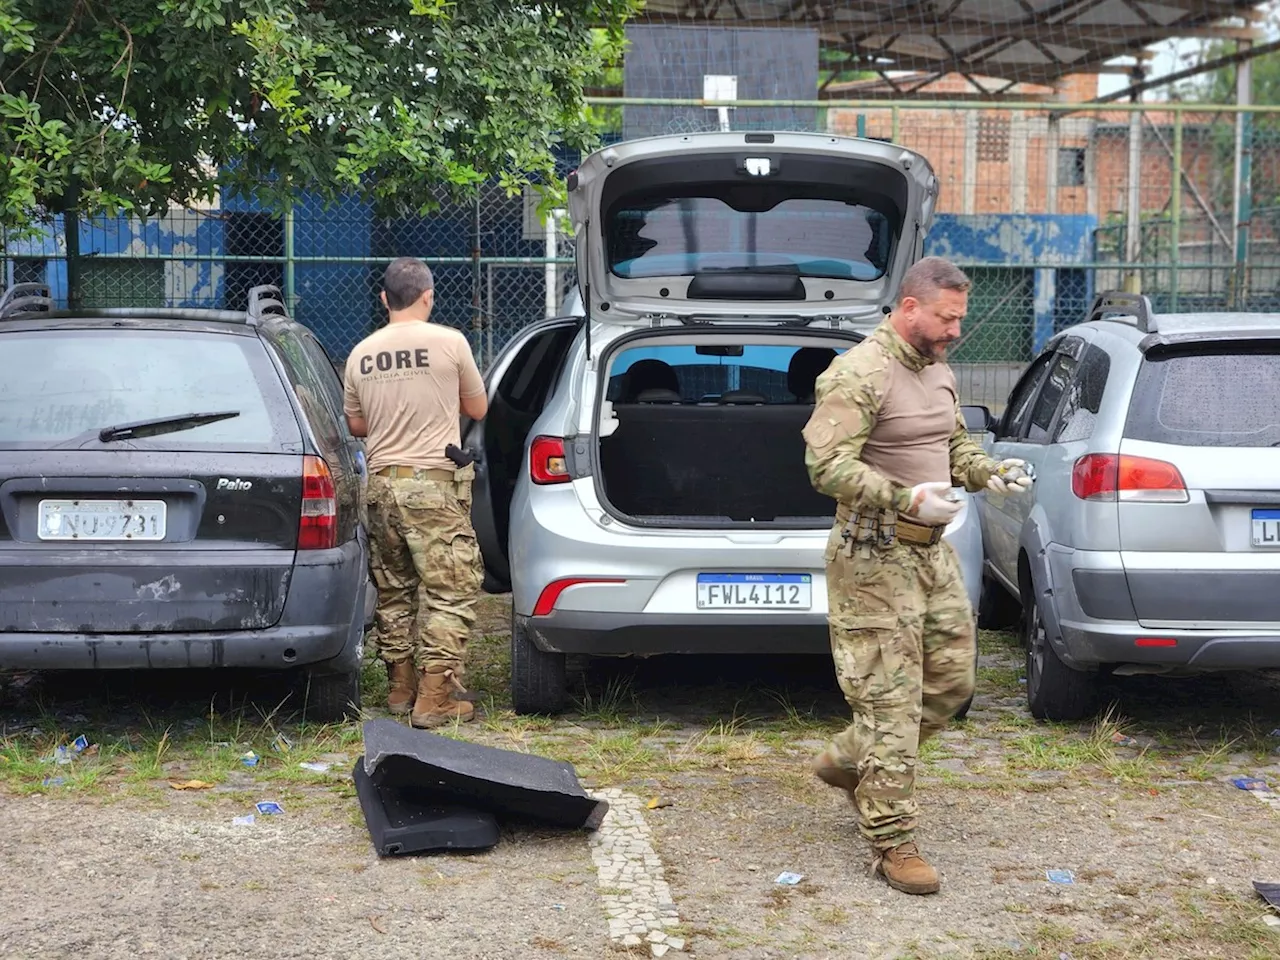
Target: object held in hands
{"x": 1011, "y": 476}
{"x": 934, "y": 503}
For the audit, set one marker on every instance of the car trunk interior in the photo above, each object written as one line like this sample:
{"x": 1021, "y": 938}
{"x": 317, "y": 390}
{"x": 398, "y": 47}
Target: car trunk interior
{"x": 672, "y": 454}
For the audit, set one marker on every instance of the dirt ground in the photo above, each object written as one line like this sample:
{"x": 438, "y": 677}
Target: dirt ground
{"x": 1137, "y": 804}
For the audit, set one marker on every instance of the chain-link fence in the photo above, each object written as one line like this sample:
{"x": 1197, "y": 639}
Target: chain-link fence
{"x": 1045, "y": 205}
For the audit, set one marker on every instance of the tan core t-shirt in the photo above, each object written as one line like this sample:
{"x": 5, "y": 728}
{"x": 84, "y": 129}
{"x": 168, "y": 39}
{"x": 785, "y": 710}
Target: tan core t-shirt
{"x": 405, "y": 382}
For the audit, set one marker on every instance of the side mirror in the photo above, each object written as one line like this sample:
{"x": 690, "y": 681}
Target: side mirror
{"x": 978, "y": 418}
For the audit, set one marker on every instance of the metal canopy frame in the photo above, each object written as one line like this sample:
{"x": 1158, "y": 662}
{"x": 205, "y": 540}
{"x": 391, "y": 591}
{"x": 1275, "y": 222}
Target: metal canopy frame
{"x": 1019, "y": 41}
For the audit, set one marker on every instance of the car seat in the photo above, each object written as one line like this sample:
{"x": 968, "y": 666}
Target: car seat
{"x": 650, "y": 381}
{"x": 806, "y": 365}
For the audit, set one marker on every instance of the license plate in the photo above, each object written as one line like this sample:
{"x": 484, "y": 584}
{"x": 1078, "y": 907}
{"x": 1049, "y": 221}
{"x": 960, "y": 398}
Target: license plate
{"x": 1266, "y": 528}
{"x": 101, "y": 520}
{"x": 755, "y": 591}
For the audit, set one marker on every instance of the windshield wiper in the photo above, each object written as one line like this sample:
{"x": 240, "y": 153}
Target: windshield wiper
{"x": 161, "y": 425}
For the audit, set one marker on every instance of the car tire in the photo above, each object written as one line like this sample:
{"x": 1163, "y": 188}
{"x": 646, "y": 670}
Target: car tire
{"x": 331, "y": 697}
{"x": 537, "y": 677}
{"x": 1055, "y": 691}
{"x": 997, "y": 608}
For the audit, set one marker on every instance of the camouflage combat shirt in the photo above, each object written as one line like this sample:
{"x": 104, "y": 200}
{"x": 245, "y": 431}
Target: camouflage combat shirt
{"x": 886, "y": 418}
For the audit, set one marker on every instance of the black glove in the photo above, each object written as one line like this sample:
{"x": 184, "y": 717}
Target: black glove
{"x": 459, "y": 457}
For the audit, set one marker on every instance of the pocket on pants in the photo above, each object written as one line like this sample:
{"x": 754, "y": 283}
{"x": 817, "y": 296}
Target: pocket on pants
{"x": 865, "y": 651}
{"x": 468, "y": 568}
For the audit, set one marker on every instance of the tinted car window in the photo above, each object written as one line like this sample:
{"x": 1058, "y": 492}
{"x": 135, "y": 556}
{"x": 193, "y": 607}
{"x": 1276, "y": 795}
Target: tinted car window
{"x": 311, "y": 385}
{"x": 767, "y": 373}
{"x": 1084, "y": 397}
{"x": 1220, "y": 397}
{"x": 1055, "y": 385}
{"x": 58, "y": 385}
{"x": 1020, "y": 399}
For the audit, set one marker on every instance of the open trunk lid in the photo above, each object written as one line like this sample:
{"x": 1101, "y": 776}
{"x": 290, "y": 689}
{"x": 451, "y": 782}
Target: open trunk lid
{"x": 768, "y": 227}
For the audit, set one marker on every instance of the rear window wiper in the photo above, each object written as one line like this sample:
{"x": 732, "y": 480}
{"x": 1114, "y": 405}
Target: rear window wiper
{"x": 161, "y": 425}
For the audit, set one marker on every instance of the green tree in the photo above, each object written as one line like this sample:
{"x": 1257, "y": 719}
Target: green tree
{"x": 123, "y": 106}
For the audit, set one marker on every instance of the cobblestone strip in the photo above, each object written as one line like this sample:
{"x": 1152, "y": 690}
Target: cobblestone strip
{"x": 1263, "y": 792}
{"x": 636, "y": 897}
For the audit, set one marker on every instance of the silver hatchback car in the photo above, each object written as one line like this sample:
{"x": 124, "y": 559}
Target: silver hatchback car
{"x": 1150, "y": 542}
{"x": 641, "y": 486}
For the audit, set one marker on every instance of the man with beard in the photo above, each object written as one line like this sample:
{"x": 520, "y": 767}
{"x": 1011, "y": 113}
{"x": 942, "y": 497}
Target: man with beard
{"x": 887, "y": 440}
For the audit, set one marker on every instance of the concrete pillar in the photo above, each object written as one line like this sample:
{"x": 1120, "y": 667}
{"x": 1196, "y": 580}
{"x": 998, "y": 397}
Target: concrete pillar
{"x": 1018, "y": 173}
{"x": 970, "y": 161}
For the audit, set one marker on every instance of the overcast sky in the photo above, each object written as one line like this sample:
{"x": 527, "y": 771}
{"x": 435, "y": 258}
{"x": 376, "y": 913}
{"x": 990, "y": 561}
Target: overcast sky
{"x": 1172, "y": 55}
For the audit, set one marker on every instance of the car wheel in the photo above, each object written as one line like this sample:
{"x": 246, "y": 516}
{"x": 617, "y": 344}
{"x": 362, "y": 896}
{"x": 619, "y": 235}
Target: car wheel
{"x": 1054, "y": 690}
{"x": 331, "y": 697}
{"x": 537, "y": 677}
{"x": 997, "y": 608}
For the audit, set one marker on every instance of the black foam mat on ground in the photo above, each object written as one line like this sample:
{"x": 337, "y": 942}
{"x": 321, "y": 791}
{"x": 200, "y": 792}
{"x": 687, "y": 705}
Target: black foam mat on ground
{"x": 402, "y": 821}
{"x": 477, "y": 776}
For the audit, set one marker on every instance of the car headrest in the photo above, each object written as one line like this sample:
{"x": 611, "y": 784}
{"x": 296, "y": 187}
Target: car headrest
{"x": 803, "y": 370}
{"x": 648, "y": 374}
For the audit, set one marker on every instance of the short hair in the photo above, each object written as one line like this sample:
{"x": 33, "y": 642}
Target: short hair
{"x": 405, "y": 281}
{"x": 927, "y": 276}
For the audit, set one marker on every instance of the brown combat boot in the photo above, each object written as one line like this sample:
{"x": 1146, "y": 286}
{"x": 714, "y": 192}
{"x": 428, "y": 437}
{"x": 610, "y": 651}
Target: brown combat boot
{"x": 828, "y": 769}
{"x": 402, "y": 686}
{"x": 906, "y": 870}
{"x": 434, "y": 705}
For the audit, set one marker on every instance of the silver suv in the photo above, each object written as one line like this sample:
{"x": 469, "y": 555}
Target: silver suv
{"x": 641, "y": 487}
{"x": 1150, "y": 542}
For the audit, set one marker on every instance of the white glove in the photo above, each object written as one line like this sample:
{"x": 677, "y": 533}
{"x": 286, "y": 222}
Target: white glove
{"x": 929, "y": 503}
{"x": 1011, "y": 476}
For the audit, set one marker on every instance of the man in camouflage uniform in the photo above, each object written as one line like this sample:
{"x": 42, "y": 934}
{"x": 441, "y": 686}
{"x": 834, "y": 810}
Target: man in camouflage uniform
{"x": 405, "y": 386}
{"x": 887, "y": 440}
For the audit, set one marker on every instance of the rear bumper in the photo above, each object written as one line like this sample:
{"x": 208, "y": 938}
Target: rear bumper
{"x": 554, "y": 537}
{"x": 1093, "y": 596}
{"x": 275, "y": 648}
{"x": 629, "y": 634}
{"x": 1191, "y": 649}
{"x": 322, "y": 621}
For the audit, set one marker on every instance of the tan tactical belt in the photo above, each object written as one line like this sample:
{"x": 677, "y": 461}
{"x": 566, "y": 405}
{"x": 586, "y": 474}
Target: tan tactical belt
{"x": 415, "y": 473}
{"x": 863, "y": 528}
{"x": 913, "y": 531}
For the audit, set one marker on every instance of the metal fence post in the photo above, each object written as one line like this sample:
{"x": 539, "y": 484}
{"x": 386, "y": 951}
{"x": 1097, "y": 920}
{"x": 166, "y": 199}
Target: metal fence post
{"x": 1133, "y": 232}
{"x": 290, "y": 283}
{"x": 1175, "y": 212}
{"x": 1243, "y": 199}
{"x": 71, "y": 235}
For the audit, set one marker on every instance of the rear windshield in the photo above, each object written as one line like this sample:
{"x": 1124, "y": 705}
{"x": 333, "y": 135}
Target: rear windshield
{"x": 744, "y": 373}
{"x": 56, "y": 386}
{"x": 654, "y": 236}
{"x": 1227, "y": 397}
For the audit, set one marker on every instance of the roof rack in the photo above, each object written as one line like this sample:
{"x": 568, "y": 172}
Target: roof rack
{"x": 265, "y": 300}
{"x": 26, "y": 298}
{"x": 1123, "y": 304}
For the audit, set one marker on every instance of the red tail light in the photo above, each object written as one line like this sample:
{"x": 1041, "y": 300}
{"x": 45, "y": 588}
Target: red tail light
{"x": 318, "y": 528}
{"x": 546, "y": 460}
{"x": 1155, "y": 642}
{"x": 1106, "y": 476}
{"x": 551, "y": 592}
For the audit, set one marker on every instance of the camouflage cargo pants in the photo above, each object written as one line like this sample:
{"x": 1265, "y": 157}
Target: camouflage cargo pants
{"x": 902, "y": 639}
{"x": 426, "y": 564}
